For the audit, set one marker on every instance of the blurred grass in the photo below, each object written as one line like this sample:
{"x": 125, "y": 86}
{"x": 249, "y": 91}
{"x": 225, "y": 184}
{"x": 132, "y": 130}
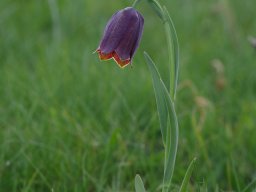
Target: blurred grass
{"x": 69, "y": 122}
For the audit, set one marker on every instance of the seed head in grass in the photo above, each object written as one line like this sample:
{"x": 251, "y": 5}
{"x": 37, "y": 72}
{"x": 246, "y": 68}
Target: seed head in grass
{"x": 121, "y": 36}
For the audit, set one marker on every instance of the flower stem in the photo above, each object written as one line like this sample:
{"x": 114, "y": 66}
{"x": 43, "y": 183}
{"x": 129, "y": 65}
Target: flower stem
{"x": 165, "y": 95}
{"x": 170, "y": 140}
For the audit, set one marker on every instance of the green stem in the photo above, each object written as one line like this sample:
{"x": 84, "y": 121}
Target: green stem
{"x": 172, "y": 129}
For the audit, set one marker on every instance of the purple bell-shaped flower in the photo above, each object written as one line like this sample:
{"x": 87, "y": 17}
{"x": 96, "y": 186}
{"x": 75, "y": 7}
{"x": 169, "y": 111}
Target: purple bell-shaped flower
{"x": 122, "y": 36}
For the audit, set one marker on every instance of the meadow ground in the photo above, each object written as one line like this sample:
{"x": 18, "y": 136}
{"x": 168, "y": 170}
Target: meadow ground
{"x": 69, "y": 122}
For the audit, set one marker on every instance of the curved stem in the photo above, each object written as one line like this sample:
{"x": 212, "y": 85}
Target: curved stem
{"x": 167, "y": 94}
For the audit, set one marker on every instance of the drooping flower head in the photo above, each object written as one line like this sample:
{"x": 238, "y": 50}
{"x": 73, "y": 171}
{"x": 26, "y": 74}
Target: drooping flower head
{"x": 122, "y": 36}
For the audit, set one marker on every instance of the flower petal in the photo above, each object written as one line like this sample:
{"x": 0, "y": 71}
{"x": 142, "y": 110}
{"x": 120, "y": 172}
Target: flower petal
{"x": 103, "y": 56}
{"x": 140, "y": 31}
{"x": 130, "y": 37}
{"x": 121, "y": 63}
{"x": 115, "y": 30}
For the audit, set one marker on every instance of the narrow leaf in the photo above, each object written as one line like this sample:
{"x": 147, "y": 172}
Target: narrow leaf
{"x": 160, "y": 100}
{"x": 139, "y": 186}
{"x": 157, "y": 8}
{"x": 171, "y": 131}
{"x": 188, "y": 174}
{"x": 174, "y": 50}
{"x": 172, "y": 138}
{"x": 250, "y": 185}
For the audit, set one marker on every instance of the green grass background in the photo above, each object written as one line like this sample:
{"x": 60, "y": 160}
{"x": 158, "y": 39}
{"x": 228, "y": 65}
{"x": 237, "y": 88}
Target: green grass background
{"x": 69, "y": 122}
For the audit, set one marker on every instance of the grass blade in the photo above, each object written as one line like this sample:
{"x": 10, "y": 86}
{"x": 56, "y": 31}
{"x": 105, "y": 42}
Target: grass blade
{"x": 188, "y": 174}
{"x": 139, "y": 186}
{"x": 250, "y": 185}
{"x": 238, "y": 188}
